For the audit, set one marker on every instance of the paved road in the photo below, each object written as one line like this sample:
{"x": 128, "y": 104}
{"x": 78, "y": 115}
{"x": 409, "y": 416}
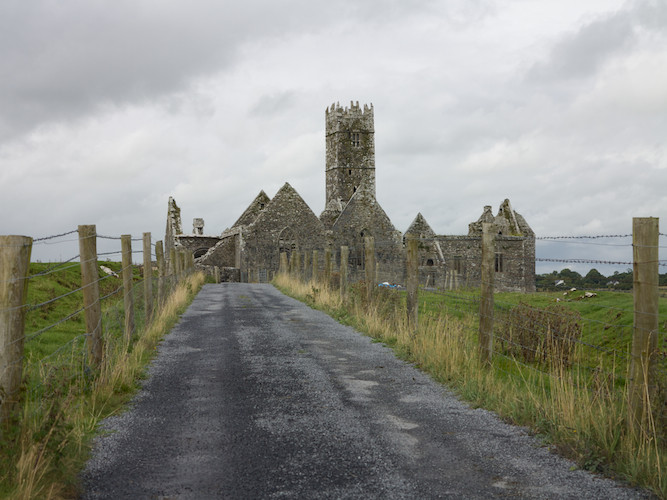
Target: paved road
{"x": 254, "y": 395}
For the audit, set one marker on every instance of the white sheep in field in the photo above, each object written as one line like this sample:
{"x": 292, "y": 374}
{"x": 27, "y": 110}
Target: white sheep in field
{"x": 108, "y": 271}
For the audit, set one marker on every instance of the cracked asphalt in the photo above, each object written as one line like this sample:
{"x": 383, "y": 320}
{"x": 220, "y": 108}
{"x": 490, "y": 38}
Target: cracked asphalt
{"x": 255, "y": 395}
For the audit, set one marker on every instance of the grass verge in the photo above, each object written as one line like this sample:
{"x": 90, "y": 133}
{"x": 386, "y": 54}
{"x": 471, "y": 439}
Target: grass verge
{"x": 48, "y": 444}
{"x": 586, "y": 423}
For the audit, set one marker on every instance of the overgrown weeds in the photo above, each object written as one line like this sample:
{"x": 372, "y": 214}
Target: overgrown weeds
{"x": 540, "y": 335}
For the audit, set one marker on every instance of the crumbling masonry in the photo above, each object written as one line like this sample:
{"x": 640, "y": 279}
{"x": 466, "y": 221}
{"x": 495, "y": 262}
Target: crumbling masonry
{"x": 250, "y": 250}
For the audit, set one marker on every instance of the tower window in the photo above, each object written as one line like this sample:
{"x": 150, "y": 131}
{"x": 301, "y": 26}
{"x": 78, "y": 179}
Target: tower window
{"x": 349, "y": 171}
{"x": 354, "y": 139}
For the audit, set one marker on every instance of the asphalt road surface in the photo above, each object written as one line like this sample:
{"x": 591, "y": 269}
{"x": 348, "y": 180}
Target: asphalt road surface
{"x": 254, "y": 395}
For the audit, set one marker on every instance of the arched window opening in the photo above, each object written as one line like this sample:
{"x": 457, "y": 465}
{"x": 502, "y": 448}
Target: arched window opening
{"x": 199, "y": 252}
{"x": 287, "y": 242}
{"x": 357, "y": 256}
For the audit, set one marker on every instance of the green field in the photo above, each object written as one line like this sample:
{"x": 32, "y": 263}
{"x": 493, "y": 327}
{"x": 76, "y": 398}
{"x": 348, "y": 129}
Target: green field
{"x": 606, "y": 318}
{"x": 54, "y": 303}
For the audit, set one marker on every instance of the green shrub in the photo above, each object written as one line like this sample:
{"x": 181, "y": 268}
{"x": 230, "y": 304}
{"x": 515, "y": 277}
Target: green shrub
{"x": 548, "y": 335}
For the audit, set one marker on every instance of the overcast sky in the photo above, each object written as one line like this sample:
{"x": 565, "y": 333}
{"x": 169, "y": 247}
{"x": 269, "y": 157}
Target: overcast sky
{"x": 109, "y": 108}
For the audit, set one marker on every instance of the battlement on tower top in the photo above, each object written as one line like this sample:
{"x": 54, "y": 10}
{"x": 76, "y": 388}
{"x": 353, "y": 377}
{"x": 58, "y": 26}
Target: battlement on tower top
{"x": 340, "y": 118}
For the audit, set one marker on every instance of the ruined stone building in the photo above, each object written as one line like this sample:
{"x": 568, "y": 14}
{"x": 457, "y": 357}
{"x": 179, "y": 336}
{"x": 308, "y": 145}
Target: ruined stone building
{"x": 250, "y": 249}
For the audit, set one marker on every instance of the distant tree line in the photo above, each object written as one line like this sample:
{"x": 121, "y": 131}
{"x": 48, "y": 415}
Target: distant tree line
{"x": 593, "y": 279}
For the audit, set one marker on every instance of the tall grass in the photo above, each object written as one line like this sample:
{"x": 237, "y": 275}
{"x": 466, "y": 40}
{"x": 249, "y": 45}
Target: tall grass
{"x": 584, "y": 421}
{"x": 49, "y": 443}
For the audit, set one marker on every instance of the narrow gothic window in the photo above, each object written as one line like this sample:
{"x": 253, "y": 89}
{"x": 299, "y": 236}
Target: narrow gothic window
{"x": 349, "y": 171}
{"x": 354, "y": 138}
{"x": 499, "y": 263}
{"x": 458, "y": 264}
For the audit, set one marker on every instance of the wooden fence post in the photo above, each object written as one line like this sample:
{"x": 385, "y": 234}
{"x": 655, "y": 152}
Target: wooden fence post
{"x": 159, "y": 256}
{"x": 306, "y": 265}
{"x": 128, "y": 297}
{"x": 327, "y": 267}
{"x": 91, "y": 292}
{"x": 369, "y": 266}
{"x": 173, "y": 267}
{"x": 284, "y": 266}
{"x": 292, "y": 263}
{"x": 316, "y": 262}
{"x": 645, "y": 270}
{"x": 344, "y": 253}
{"x": 412, "y": 282}
{"x": 148, "y": 277}
{"x": 14, "y": 269}
{"x": 486, "y": 299}
{"x": 297, "y": 265}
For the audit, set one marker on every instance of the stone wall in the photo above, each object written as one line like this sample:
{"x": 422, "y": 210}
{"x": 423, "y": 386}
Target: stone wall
{"x": 515, "y": 262}
{"x": 363, "y": 216}
{"x": 197, "y": 244}
{"x": 226, "y": 253}
{"x": 286, "y": 223}
{"x": 174, "y": 227}
{"x": 250, "y": 214}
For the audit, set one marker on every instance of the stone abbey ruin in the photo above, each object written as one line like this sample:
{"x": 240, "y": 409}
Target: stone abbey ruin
{"x": 250, "y": 250}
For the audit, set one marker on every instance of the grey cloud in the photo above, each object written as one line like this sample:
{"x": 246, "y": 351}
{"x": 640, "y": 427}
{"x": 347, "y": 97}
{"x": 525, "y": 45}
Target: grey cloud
{"x": 455, "y": 13}
{"x": 582, "y": 53}
{"x": 60, "y": 60}
{"x": 274, "y": 103}
{"x": 652, "y": 14}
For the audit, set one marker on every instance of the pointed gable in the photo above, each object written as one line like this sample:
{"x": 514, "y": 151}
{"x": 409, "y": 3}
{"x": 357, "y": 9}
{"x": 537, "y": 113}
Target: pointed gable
{"x": 420, "y": 228}
{"x": 510, "y": 222}
{"x": 287, "y": 205}
{"x": 287, "y": 210}
{"x": 253, "y": 210}
{"x": 475, "y": 228}
{"x": 364, "y": 212}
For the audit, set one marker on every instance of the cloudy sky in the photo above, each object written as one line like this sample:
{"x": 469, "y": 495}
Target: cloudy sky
{"x": 109, "y": 108}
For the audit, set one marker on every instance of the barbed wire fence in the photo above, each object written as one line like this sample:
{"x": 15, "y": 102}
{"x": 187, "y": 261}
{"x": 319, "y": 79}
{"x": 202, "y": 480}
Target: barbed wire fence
{"x": 618, "y": 348}
{"x": 40, "y": 356}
